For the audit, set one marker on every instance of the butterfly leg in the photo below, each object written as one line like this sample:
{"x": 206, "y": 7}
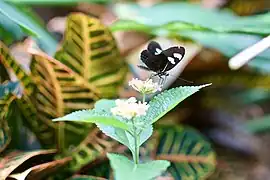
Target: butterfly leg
{"x": 162, "y": 78}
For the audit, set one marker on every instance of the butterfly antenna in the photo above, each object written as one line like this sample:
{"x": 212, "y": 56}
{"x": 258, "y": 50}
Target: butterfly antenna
{"x": 191, "y": 82}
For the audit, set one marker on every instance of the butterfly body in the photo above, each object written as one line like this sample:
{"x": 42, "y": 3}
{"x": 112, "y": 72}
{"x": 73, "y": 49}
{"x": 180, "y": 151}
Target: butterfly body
{"x": 161, "y": 61}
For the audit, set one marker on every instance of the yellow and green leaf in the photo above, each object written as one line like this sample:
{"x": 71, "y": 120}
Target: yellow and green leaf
{"x": 59, "y": 90}
{"x": 8, "y": 93}
{"x": 90, "y": 50}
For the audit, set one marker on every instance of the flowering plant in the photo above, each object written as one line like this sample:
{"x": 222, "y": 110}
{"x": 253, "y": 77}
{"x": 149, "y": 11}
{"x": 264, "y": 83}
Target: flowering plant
{"x": 130, "y": 122}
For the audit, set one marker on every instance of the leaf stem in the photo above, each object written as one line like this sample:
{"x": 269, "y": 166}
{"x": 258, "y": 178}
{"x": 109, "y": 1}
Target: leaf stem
{"x": 136, "y": 149}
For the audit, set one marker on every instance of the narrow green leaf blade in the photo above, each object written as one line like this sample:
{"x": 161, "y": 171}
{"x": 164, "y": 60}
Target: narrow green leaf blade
{"x": 166, "y": 101}
{"x": 124, "y": 168}
{"x": 93, "y": 116}
{"x": 30, "y": 26}
{"x": 186, "y": 16}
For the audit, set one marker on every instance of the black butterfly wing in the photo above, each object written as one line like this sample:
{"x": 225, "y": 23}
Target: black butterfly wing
{"x": 154, "y": 48}
{"x": 173, "y": 56}
{"x": 155, "y": 63}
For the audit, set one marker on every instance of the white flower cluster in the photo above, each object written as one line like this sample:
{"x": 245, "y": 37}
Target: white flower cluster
{"x": 144, "y": 87}
{"x": 129, "y": 108}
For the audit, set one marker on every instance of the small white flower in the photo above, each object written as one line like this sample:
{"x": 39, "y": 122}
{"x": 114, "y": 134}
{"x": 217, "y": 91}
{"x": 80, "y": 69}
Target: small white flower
{"x": 129, "y": 108}
{"x": 144, "y": 87}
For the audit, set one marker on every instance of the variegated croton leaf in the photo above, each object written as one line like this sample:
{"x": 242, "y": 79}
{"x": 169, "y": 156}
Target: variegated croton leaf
{"x": 8, "y": 93}
{"x": 90, "y": 50}
{"x": 191, "y": 156}
{"x": 59, "y": 90}
{"x": 45, "y": 131}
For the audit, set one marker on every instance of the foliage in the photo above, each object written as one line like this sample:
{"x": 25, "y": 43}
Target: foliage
{"x": 190, "y": 154}
{"x": 88, "y": 67}
{"x": 29, "y": 25}
{"x": 20, "y": 165}
{"x": 8, "y": 93}
{"x": 92, "y": 54}
{"x": 178, "y": 19}
{"x": 125, "y": 168}
{"x": 53, "y": 89}
{"x": 138, "y": 130}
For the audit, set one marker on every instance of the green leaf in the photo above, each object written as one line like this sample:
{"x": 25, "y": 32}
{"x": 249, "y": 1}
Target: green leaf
{"x": 124, "y": 168}
{"x": 191, "y": 156}
{"x": 125, "y": 137}
{"x": 9, "y": 31}
{"x": 258, "y": 125}
{"x": 180, "y": 16}
{"x": 162, "y": 103}
{"x": 48, "y": 43}
{"x": 93, "y": 116}
{"x": 145, "y": 134}
{"x": 118, "y": 134}
{"x": 105, "y": 104}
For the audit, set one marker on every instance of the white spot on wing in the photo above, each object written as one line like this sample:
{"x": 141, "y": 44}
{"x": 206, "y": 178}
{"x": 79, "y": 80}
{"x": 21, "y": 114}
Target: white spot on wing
{"x": 171, "y": 60}
{"x": 158, "y": 51}
{"x": 177, "y": 55}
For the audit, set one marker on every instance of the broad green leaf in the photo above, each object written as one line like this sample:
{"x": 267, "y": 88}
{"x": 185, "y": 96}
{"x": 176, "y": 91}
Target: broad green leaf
{"x": 47, "y": 42}
{"x": 180, "y": 16}
{"x": 124, "y": 168}
{"x": 166, "y": 101}
{"x": 118, "y": 134}
{"x": 191, "y": 156}
{"x": 125, "y": 137}
{"x": 93, "y": 116}
{"x": 90, "y": 50}
{"x": 146, "y": 134}
{"x": 105, "y": 104}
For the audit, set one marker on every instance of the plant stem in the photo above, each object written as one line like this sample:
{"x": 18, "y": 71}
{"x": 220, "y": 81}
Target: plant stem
{"x": 137, "y": 152}
{"x": 143, "y": 97}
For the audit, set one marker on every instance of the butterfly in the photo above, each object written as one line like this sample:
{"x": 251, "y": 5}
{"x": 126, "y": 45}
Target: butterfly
{"x": 161, "y": 61}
